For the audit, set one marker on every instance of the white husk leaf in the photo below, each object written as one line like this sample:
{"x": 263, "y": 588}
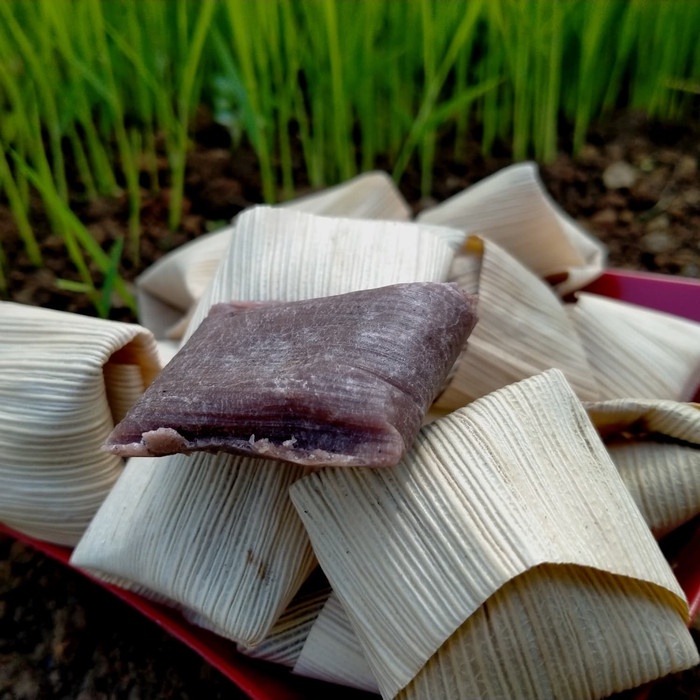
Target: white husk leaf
{"x": 295, "y": 255}
{"x": 523, "y": 329}
{"x": 64, "y": 381}
{"x": 637, "y": 352}
{"x": 513, "y": 208}
{"x": 504, "y": 651}
{"x": 286, "y": 639}
{"x": 332, "y": 651}
{"x": 655, "y": 446}
{"x": 517, "y": 479}
{"x": 664, "y": 480}
{"x": 314, "y": 638}
{"x": 673, "y": 419}
{"x": 173, "y": 285}
{"x": 217, "y": 536}
{"x": 167, "y": 350}
{"x": 302, "y": 256}
{"x": 371, "y": 195}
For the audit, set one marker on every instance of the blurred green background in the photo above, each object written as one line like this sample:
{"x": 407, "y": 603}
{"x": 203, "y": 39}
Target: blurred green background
{"x": 99, "y": 97}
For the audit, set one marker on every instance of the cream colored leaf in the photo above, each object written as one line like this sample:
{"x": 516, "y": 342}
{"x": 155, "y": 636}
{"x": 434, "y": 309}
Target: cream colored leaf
{"x": 637, "y": 352}
{"x": 604, "y": 634}
{"x": 65, "y": 379}
{"x": 214, "y": 534}
{"x": 173, "y": 284}
{"x": 655, "y": 446}
{"x": 285, "y": 641}
{"x": 315, "y": 639}
{"x": 287, "y": 255}
{"x": 644, "y": 417}
{"x": 169, "y": 287}
{"x": 523, "y": 329}
{"x": 332, "y": 651}
{"x": 513, "y": 208}
{"x": 371, "y": 195}
{"x": 517, "y": 479}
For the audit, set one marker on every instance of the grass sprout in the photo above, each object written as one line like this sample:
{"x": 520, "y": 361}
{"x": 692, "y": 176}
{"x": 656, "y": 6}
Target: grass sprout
{"x": 96, "y": 95}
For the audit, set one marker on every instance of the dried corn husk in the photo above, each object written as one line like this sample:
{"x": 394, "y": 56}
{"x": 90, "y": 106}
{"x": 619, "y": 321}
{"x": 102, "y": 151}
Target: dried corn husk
{"x": 523, "y": 329}
{"x": 65, "y": 380}
{"x": 655, "y": 446}
{"x": 516, "y": 480}
{"x": 588, "y": 649}
{"x": 371, "y": 195}
{"x": 637, "y": 352}
{"x": 275, "y": 254}
{"x": 314, "y": 638}
{"x": 215, "y": 535}
{"x": 513, "y": 208}
{"x": 303, "y": 256}
{"x": 286, "y": 639}
{"x": 168, "y": 290}
{"x": 167, "y": 350}
{"x": 332, "y": 651}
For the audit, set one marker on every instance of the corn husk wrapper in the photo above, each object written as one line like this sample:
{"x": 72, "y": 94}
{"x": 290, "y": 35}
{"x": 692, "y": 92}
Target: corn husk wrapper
{"x": 575, "y": 661}
{"x": 371, "y": 195}
{"x": 65, "y": 380}
{"x": 518, "y": 479}
{"x": 203, "y": 534}
{"x": 286, "y": 639}
{"x": 523, "y": 329}
{"x": 655, "y": 446}
{"x": 167, "y": 350}
{"x": 637, "y": 352}
{"x": 303, "y": 256}
{"x": 274, "y": 254}
{"x": 170, "y": 288}
{"x": 513, "y": 209}
{"x": 167, "y": 291}
{"x": 314, "y": 639}
{"x": 332, "y": 651}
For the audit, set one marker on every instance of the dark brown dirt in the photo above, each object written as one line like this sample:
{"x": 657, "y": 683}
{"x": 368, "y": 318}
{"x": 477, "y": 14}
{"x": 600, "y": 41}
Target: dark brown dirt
{"x": 635, "y": 186}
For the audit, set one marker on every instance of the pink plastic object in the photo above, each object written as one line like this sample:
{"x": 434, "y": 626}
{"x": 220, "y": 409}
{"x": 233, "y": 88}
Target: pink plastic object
{"x": 265, "y": 681}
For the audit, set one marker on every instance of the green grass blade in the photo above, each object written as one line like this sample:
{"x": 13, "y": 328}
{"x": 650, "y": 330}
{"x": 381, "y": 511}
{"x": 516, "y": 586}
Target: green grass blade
{"x": 76, "y": 237}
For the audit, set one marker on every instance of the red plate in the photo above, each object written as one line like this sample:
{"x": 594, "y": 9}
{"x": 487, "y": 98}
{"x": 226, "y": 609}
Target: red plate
{"x": 265, "y": 681}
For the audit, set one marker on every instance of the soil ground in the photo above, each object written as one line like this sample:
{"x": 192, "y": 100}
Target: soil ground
{"x": 635, "y": 185}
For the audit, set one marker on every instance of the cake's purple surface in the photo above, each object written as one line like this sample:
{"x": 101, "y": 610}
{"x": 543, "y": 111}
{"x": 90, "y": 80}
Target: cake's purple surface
{"x": 340, "y": 380}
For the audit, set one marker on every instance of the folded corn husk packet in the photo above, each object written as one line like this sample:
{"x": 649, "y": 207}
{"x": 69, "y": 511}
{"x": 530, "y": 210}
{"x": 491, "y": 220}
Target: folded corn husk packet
{"x": 655, "y": 446}
{"x": 523, "y": 329}
{"x": 213, "y": 535}
{"x": 637, "y": 352}
{"x": 169, "y": 289}
{"x": 512, "y": 208}
{"x": 65, "y": 381}
{"x": 145, "y": 533}
{"x": 314, "y": 639}
{"x": 503, "y": 557}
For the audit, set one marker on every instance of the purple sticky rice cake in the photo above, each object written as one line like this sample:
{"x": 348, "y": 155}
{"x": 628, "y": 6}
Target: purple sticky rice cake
{"x": 344, "y": 380}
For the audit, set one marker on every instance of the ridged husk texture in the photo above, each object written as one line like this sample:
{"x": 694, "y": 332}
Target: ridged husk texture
{"x": 65, "y": 380}
{"x": 517, "y": 480}
{"x": 655, "y": 446}
{"x": 512, "y": 208}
